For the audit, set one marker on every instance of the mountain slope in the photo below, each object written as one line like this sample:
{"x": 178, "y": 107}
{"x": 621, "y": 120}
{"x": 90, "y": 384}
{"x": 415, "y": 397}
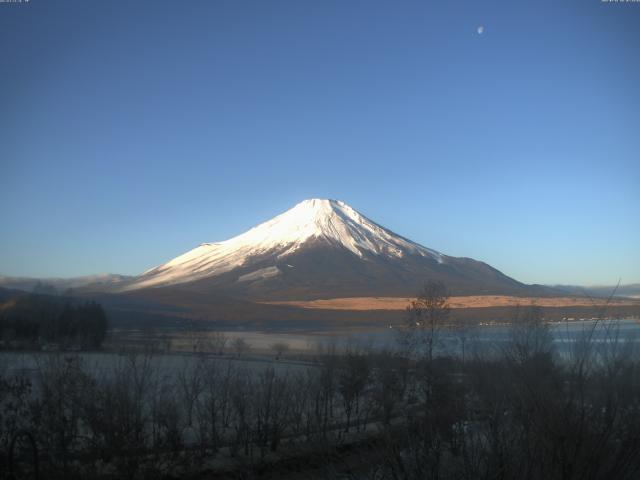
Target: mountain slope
{"x": 308, "y": 223}
{"x": 602, "y": 291}
{"x": 321, "y": 249}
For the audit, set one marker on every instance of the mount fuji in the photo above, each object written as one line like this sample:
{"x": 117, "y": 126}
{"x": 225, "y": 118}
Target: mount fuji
{"x": 320, "y": 249}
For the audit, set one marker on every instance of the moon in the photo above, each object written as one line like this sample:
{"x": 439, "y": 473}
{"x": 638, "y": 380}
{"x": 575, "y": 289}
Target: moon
{"x": 480, "y": 29}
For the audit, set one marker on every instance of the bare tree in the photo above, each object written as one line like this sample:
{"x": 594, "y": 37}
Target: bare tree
{"x": 271, "y": 406}
{"x": 301, "y": 386}
{"x": 59, "y": 408}
{"x": 240, "y": 396}
{"x": 218, "y": 342}
{"x": 529, "y": 334}
{"x": 279, "y": 349}
{"x": 353, "y": 378}
{"x": 463, "y": 329}
{"x": 240, "y": 346}
{"x": 213, "y": 405}
{"x": 190, "y": 385}
{"x": 389, "y": 387}
{"x": 15, "y": 396}
{"x": 126, "y": 412}
{"x": 426, "y": 315}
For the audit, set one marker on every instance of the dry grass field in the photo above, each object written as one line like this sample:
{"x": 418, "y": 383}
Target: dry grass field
{"x": 472, "y": 301}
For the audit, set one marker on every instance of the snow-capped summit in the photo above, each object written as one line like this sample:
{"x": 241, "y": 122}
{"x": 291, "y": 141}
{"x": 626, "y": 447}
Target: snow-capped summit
{"x": 317, "y": 248}
{"x": 317, "y": 220}
{"x": 331, "y": 220}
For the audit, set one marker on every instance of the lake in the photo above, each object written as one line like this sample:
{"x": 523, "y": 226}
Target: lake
{"x": 563, "y": 334}
{"x": 172, "y": 348}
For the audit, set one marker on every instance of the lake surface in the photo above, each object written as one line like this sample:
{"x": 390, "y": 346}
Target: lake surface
{"x": 564, "y": 334}
{"x": 171, "y": 348}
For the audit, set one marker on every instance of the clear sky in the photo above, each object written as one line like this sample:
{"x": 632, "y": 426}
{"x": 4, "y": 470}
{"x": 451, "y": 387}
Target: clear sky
{"x": 131, "y": 131}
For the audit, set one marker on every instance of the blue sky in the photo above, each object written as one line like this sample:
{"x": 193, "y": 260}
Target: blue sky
{"x": 131, "y": 131}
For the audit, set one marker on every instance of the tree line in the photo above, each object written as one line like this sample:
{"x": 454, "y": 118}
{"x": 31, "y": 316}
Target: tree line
{"x": 34, "y": 319}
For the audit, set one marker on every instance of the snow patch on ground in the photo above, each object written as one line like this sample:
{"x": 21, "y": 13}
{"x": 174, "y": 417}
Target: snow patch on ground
{"x": 260, "y": 274}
